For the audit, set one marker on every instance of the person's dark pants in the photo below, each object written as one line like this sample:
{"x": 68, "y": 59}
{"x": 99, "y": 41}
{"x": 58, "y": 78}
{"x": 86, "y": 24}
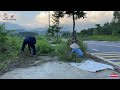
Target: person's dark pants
{"x": 33, "y": 48}
{"x": 23, "y": 45}
{"x": 29, "y": 46}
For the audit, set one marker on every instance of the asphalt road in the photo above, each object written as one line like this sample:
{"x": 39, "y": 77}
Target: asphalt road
{"x": 102, "y": 46}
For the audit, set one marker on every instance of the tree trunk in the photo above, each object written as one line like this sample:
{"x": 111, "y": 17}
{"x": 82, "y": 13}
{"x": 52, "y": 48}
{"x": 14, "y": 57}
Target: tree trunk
{"x": 73, "y": 22}
{"x": 73, "y": 36}
{"x": 57, "y": 31}
{"x": 57, "y": 37}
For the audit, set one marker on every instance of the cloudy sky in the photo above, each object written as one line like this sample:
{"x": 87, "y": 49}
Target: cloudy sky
{"x": 35, "y": 19}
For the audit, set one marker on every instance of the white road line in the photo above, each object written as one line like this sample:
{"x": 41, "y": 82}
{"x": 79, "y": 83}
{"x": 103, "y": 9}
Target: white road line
{"x": 111, "y": 56}
{"x": 114, "y": 59}
{"x": 107, "y": 53}
{"x": 115, "y": 56}
{"x": 106, "y": 45}
{"x": 95, "y": 49}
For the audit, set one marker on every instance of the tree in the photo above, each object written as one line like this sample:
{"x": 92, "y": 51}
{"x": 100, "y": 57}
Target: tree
{"x": 112, "y": 28}
{"x": 98, "y": 30}
{"x": 115, "y": 28}
{"x": 115, "y": 24}
{"x": 66, "y": 34}
{"x": 75, "y": 15}
{"x": 56, "y": 20}
{"x": 3, "y": 38}
{"x": 51, "y": 30}
{"x": 107, "y": 29}
{"x": 90, "y": 31}
{"x": 83, "y": 32}
{"x": 116, "y": 17}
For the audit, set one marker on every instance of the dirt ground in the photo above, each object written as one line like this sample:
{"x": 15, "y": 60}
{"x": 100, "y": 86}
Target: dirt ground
{"x": 27, "y": 62}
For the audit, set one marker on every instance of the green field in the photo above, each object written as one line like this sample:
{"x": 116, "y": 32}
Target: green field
{"x": 101, "y": 38}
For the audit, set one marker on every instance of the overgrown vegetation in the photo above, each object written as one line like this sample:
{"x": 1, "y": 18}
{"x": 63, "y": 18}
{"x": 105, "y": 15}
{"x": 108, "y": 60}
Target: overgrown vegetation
{"x": 64, "y": 49}
{"x": 10, "y": 46}
{"x": 66, "y": 34}
{"x": 3, "y": 38}
{"x": 43, "y": 47}
{"x": 56, "y": 41}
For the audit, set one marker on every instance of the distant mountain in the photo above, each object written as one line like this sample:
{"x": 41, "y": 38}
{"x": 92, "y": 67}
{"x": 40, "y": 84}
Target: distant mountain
{"x": 78, "y": 26}
{"x": 17, "y": 31}
{"x": 40, "y": 31}
{"x": 66, "y": 27}
{"x": 43, "y": 30}
{"x": 21, "y": 30}
{"x": 12, "y": 26}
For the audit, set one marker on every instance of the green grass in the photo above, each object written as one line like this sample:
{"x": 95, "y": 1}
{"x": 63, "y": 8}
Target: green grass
{"x": 43, "y": 47}
{"x": 102, "y": 38}
{"x": 41, "y": 38}
{"x": 56, "y": 42}
{"x": 63, "y": 49}
{"x": 12, "y": 46}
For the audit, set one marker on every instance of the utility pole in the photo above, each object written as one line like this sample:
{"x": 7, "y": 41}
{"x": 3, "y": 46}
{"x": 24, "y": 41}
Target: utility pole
{"x": 48, "y": 20}
{"x": 49, "y": 17}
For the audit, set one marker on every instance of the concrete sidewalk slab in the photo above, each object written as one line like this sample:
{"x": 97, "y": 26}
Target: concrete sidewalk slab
{"x": 55, "y": 70}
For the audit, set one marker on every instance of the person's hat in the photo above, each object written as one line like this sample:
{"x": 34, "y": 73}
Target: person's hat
{"x": 74, "y": 45}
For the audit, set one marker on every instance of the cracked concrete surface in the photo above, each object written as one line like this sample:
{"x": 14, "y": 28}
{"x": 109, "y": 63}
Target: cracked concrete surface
{"x": 55, "y": 70}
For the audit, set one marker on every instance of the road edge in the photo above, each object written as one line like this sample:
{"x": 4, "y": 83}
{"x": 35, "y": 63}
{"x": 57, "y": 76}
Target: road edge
{"x": 116, "y": 68}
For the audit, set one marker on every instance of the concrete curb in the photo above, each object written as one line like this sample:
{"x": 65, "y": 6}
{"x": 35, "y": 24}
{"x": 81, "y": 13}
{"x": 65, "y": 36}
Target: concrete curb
{"x": 117, "y": 68}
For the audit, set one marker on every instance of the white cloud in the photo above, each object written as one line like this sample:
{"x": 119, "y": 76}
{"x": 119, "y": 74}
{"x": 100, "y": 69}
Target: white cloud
{"x": 92, "y": 17}
{"x": 42, "y": 19}
{"x": 66, "y": 20}
{"x": 99, "y": 16}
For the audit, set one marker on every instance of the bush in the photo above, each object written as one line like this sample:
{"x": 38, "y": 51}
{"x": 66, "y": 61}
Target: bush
{"x": 41, "y": 38}
{"x": 66, "y": 34}
{"x": 13, "y": 45}
{"x": 63, "y": 49}
{"x": 7, "y": 45}
{"x": 56, "y": 42}
{"x": 3, "y": 38}
{"x": 83, "y": 46}
{"x": 43, "y": 47}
